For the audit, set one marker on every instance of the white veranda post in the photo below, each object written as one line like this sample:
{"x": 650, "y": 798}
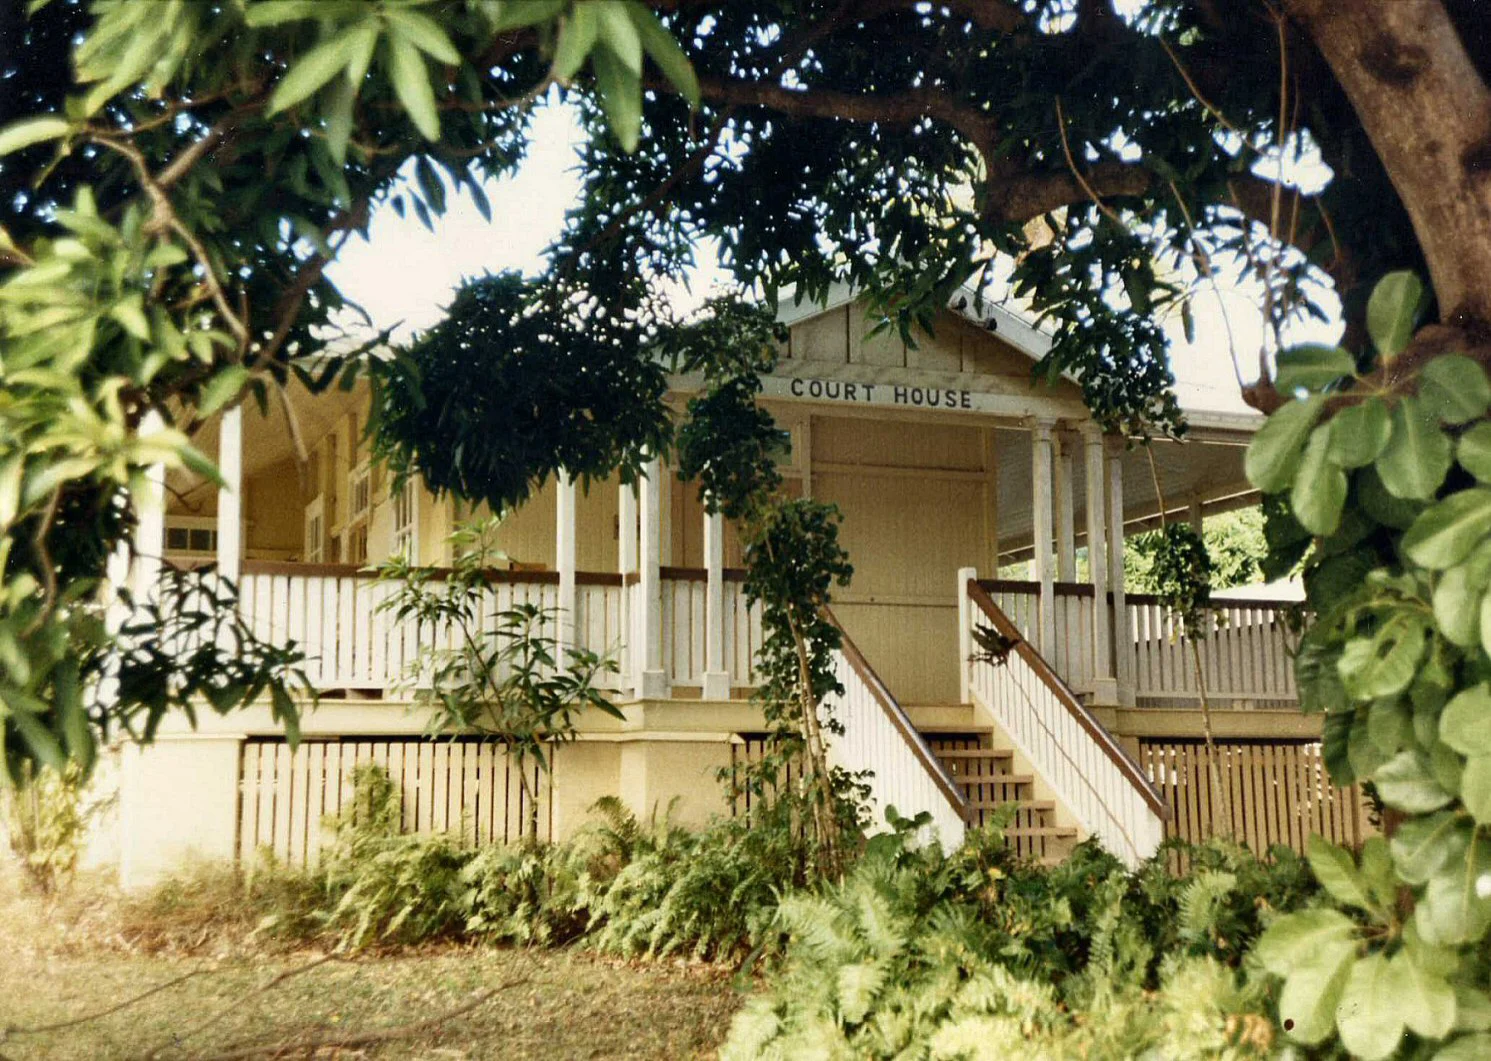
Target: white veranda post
{"x": 652, "y": 683}
{"x": 1123, "y": 637}
{"x": 564, "y": 561}
{"x": 1104, "y": 686}
{"x": 626, "y": 564}
{"x": 1066, "y": 518}
{"x": 230, "y": 495}
{"x": 150, "y": 530}
{"x": 716, "y": 677}
{"x": 1040, "y": 507}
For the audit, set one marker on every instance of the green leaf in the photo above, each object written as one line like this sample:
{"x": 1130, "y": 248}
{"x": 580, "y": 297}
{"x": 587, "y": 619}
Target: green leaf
{"x": 1445, "y": 533}
{"x": 618, "y": 33}
{"x": 43, "y": 744}
{"x": 671, "y": 60}
{"x": 1384, "y": 663}
{"x": 1420, "y": 455}
{"x": 1465, "y": 724}
{"x": 1456, "y": 906}
{"x": 575, "y": 42}
{"x": 621, "y": 99}
{"x": 529, "y": 13}
{"x": 1336, "y": 872}
{"x": 1475, "y": 788}
{"x": 1474, "y": 451}
{"x": 1295, "y": 938}
{"x": 364, "y": 43}
{"x": 1359, "y": 433}
{"x": 1392, "y": 311}
{"x": 1457, "y": 597}
{"x": 1311, "y": 367}
{"x": 1275, "y": 449}
{"x": 1454, "y": 388}
{"x": 221, "y": 389}
{"x": 412, "y": 84}
{"x": 1466, "y": 1048}
{"x": 1421, "y": 995}
{"x": 1423, "y": 845}
{"x": 1406, "y": 782}
{"x": 423, "y": 32}
{"x": 1307, "y": 1004}
{"x": 339, "y": 119}
{"x": 1319, "y": 488}
{"x": 277, "y": 12}
{"x": 314, "y": 69}
{"x": 1368, "y": 1015}
{"x": 31, "y": 131}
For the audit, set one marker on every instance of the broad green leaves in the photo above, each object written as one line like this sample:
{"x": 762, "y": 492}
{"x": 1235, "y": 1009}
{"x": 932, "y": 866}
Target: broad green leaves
{"x": 1393, "y": 310}
{"x": 1313, "y": 951}
{"x": 1272, "y": 459}
{"x": 1312, "y": 367}
{"x": 1445, "y": 533}
{"x": 1415, "y": 461}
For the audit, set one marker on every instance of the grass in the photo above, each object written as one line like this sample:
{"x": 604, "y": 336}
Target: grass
{"x": 69, "y": 960}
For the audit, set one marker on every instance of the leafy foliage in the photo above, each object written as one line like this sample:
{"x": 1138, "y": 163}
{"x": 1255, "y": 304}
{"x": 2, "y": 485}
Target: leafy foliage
{"x": 1234, "y": 542}
{"x": 47, "y": 822}
{"x": 505, "y": 677}
{"x": 1379, "y": 469}
{"x": 792, "y": 556}
{"x": 511, "y": 389}
{"x": 978, "y": 954}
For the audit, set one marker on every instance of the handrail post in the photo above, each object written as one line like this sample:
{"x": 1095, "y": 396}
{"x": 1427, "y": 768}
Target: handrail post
{"x": 965, "y": 632}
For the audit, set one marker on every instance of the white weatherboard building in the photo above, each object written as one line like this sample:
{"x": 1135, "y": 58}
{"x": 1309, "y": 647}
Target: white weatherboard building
{"x": 948, "y": 466}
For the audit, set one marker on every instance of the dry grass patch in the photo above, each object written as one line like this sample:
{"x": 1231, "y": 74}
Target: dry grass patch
{"x": 230, "y": 996}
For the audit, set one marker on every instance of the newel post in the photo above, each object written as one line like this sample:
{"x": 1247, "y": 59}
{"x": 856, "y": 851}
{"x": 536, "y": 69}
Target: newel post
{"x": 965, "y": 632}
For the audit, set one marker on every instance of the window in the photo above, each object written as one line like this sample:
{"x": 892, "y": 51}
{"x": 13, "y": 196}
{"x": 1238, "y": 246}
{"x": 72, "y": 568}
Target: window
{"x": 191, "y": 537}
{"x": 354, "y": 539}
{"x": 315, "y": 532}
{"x": 406, "y": 520}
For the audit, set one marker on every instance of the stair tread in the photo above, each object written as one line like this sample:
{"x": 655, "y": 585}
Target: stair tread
{"x": 973, "y": 753}
{"x": 993, "y": 779}
{"x": 1059, "y": 832}
{"x": 1020, "y": 804}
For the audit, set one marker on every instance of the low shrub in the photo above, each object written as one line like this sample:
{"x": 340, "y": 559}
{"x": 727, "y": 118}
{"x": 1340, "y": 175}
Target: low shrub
{"x": 921, "y": 953}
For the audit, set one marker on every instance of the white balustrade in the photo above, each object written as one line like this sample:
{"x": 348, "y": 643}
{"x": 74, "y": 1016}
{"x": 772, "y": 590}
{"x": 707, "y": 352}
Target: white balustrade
{"x": 880, "y": 738}
{"x": 1084, "y": 765}
{"x": 350, "y": 642}
{"x": 1246, "y": 655}
{"x": 685, "y": 645}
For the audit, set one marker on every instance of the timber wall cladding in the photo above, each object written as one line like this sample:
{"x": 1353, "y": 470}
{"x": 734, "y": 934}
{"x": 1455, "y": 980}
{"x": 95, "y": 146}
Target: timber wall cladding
{"x": 1275, "y": 792}
{"x": 465, "y": 787}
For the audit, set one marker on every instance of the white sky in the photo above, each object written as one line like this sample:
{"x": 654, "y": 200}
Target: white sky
{"x": 404, "y": 275}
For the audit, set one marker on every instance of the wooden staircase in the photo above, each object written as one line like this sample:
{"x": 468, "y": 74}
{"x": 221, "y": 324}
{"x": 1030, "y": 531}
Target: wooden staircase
{"x": 988, "y": 779}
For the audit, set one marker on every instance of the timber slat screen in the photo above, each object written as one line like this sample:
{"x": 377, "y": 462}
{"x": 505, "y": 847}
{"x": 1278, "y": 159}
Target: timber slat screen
{"x": 1276, "y": 792}
{"x": 468, "y": 788}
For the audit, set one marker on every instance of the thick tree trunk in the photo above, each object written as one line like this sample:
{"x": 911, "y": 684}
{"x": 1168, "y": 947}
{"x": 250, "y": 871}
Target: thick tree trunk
{"x": 1428, "y": 114}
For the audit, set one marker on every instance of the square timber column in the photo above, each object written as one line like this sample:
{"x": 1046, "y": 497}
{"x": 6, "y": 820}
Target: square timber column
{"x": 150, "y": 528}
{"x": 716, "y": 677}
{"x": 647, "y": 640}
{"x": 1123, "y": 635}
{"x": 1040, "y": 508}
{"x": 626, "y": 566}
{"x": 564, "y": 563}
{"x": 1104, "y": 685}
{"x": 1066, "y": 516}
{"x": 230, "y": 495}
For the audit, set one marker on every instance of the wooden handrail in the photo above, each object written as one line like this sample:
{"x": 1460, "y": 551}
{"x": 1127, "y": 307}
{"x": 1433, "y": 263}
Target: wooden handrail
{"x": 1081, "y": 589}
{"x": 1095, "y": 729}
{"x": 288, "y": 567}
{"x": 898, "y": 718}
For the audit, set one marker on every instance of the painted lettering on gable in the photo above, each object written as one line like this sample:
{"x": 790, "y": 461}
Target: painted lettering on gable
{"x": 895, "y": 394}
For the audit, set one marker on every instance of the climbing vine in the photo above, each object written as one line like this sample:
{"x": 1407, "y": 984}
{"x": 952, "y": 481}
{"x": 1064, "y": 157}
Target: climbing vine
{"x": 1386, "y": 468}
{"x": 793, "y": 556}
